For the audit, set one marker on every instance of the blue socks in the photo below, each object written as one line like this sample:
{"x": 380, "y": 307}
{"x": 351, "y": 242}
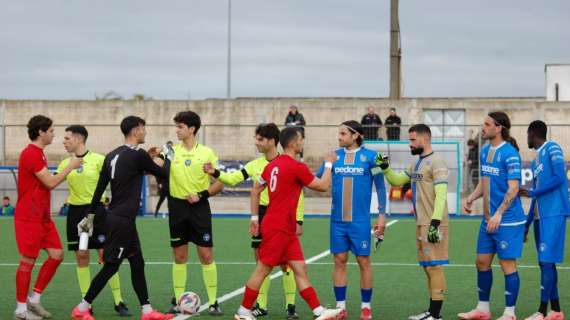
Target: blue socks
{"x": 512, "y": 284}
{"x": 547, "y": 281}
{"x": 340, "y": 293}
{"x": 484, "y": 284}
{"x": 366, "y": 295}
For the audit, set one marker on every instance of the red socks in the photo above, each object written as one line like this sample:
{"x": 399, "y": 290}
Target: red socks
{"x": 310, "y": 296}
{"x": 23, "y": 277}
{"x": 249, "y": 297}
{"x": 46, "y": 274}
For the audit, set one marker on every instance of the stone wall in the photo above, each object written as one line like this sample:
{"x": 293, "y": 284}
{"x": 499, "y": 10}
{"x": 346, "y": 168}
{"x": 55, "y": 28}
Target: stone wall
{"x": 228, "y": 124}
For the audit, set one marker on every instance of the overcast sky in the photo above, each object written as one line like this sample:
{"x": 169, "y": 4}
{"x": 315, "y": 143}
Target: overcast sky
{"x": 177, "y": 49}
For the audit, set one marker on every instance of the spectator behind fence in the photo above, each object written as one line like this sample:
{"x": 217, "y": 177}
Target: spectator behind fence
{"x": 7, "y": 208}
{"x": 371, "y": 123}
{"x": 295, "y": 119}
{"x": 473, "y": 161}
{"x": 393, "y": 123}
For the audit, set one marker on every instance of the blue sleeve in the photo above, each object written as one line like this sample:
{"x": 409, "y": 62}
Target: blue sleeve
{"x": 320, "y": 171}
{"x": 380, "y": 192}
{"x": 553, "y": 181}
{"x": 530, "y": 216}
{"x": 513, "y": 164}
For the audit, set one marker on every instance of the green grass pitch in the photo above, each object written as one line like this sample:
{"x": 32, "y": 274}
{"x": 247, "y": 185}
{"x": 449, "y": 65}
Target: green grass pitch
{"x": 399, "y": 284}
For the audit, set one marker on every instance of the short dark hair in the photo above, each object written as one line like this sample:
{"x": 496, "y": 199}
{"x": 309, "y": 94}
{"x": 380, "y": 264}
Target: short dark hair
{"x": 421, "y": 129}
{"x": 268, "y": 131}
{"x": 539, "y": 129}
{"x": 471, "y": 142}
{"x": 131, "y": 122}
{"x": 6, "y": 198}
{"x": 36, "y": 124}
{"x": 189, "y": 118}
{"x": 287, "y": 135}
{"x": 78, "y": 129}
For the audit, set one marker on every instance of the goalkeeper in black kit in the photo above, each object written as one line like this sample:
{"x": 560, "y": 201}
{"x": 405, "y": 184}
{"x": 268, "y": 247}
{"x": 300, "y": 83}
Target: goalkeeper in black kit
{"x": 124, "y": 169}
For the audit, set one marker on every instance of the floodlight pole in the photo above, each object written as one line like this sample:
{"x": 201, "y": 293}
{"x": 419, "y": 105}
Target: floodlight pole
{"x": 395, "y": 53}
{"x": 229, "y": 62}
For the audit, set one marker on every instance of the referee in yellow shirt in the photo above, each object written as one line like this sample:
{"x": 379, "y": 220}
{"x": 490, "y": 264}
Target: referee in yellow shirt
{"x": 82, "y": 183}
{"x": 190, "y": 217}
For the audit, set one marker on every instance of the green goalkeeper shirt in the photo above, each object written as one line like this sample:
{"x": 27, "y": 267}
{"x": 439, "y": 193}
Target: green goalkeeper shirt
{"x": 253, "y": 169}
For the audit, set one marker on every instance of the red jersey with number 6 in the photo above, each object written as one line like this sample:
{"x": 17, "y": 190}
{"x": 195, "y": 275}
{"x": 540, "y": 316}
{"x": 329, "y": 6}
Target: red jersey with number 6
{"x": 33, "y": 197}
{"x": 285, "y": 177}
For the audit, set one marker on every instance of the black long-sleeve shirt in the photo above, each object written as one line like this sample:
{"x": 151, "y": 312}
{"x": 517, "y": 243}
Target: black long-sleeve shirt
{"x": 124, "y": 168}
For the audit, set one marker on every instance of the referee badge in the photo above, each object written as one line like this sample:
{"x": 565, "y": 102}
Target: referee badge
{"x": 79, "y": 170}
{"x": 188, "y": 162}
{"x": 101, "y": 238}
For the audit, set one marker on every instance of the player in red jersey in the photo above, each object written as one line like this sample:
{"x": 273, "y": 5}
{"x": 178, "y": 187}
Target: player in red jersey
{"x": 284, "y": 177}
{"x": 32, "y": 220}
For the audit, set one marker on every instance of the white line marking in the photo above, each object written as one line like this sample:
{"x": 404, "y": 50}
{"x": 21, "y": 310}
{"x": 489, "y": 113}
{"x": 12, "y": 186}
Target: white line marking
{"x": 275, "y": 275}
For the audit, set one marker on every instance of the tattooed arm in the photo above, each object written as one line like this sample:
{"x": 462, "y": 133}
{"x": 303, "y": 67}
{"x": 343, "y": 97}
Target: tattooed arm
{"x": 510, "y": 196}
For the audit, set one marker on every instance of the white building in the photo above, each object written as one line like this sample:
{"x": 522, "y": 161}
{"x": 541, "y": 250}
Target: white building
{"x": 557, "y": 82}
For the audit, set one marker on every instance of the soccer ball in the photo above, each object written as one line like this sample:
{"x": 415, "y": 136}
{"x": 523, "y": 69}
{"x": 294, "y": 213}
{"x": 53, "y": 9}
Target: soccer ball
{"x": 189, "y": 303}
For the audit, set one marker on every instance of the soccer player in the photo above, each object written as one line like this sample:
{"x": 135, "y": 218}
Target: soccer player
{"x": 502, "y": 227}
{"x": 33, "y": 225}
{"x": 429, "y": 177}
{"x": 284, "y": 177}
{"x": 353, "y": 174}
{"x": 190, "y": 217}
{"x": 123, "y": 168}
{"x": 82, "y": 183}
{"x": 549, "y": 208}
{"x": 266, "y": 140}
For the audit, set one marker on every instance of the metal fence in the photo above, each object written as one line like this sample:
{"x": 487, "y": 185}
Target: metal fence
{"x": 235, "y": 142}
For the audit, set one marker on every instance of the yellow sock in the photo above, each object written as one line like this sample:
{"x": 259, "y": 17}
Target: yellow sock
{"x": 84, "y": 279}
{"x": 179, "y": 273}
{"x": 115, "y": 285}
{"x": 289, "y": 287}
{"x": 210, "y": 274}
{"x": 264, "y": 293}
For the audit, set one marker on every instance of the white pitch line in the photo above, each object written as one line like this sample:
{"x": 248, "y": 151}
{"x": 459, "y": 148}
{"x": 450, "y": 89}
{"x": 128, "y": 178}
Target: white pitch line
{"x": 275, "y": 275}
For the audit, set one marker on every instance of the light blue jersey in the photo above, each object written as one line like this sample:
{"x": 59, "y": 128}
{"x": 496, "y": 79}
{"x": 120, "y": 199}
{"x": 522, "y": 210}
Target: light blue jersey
{"x": 498, "y": 166}
{"x": 353, "y": 174}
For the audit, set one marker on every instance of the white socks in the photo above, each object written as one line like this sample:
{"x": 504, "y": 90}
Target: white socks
{"x": 318, "y": 310}
{"x": 21, "y": 307}
{"x": 483, "y": 306}
{"x": 242, "y": 311}
{"x": 509, "y": 311}
{"x": 83, "y": 306}
{"x": 341, "y": 305}
{"x": 146, "y": 309}
{"x": 35, "y": 297}
{"x": 365, "y": 305}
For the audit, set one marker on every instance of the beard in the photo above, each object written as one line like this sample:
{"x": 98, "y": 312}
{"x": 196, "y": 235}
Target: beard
{"x": 416, "y": 151}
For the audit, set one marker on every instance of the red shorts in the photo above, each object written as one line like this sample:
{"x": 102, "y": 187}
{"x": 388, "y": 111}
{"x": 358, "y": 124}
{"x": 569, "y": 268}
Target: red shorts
{"x": 32, "y": 236}
{"x": 278, "y": 248}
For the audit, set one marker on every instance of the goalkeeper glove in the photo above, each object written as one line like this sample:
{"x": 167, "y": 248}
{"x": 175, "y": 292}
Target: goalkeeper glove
{"x": 382, "y": 161}
{"x": 86, "y": 224}
{"x": 434, "y": 235}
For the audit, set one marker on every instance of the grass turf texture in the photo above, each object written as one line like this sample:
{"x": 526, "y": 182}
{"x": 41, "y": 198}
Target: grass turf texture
{"x": 399, "y": 284}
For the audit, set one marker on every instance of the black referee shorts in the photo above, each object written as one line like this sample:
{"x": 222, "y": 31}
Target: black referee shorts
{"x": 190, "y": 222}
{"x": 122, "y": 239}
{"x": 74, "y": 216}
{"x": 256, "y": 240}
